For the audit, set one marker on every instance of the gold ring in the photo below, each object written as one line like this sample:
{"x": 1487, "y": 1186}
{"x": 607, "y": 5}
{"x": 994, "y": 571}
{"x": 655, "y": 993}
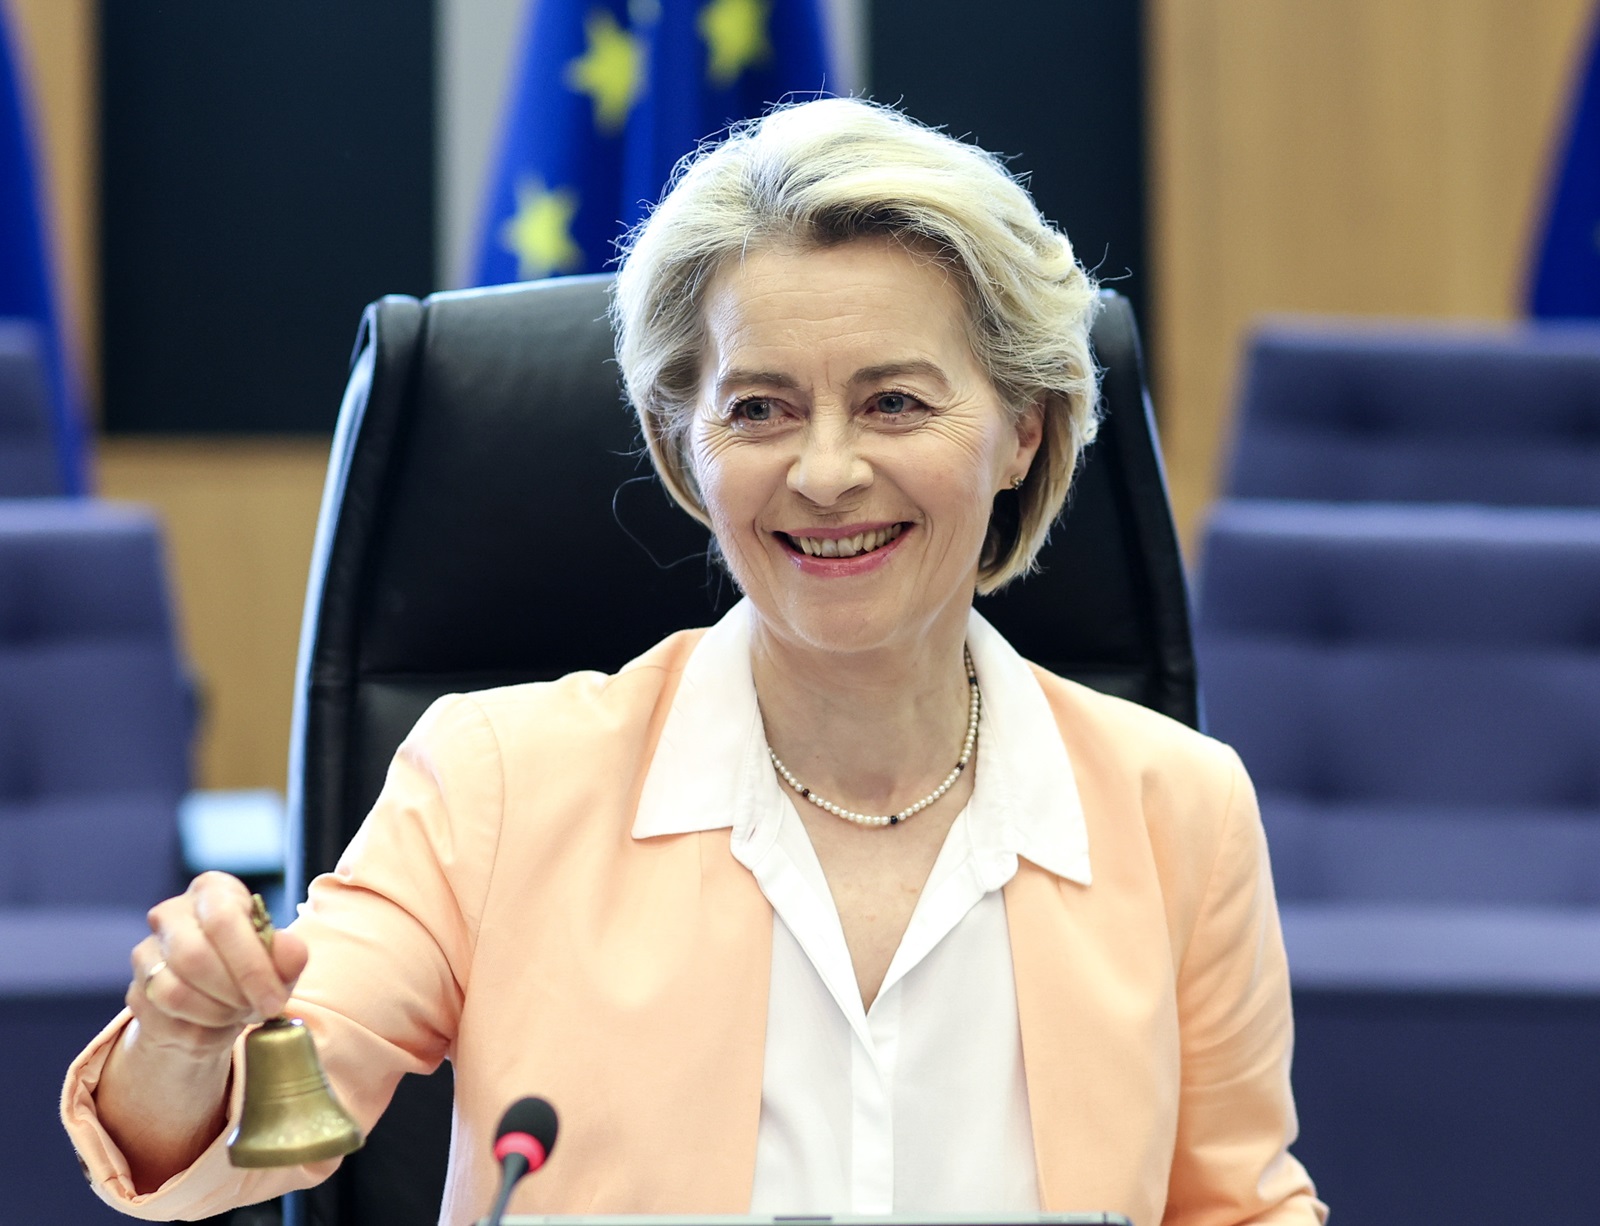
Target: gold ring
{"x": 155, "y": 969}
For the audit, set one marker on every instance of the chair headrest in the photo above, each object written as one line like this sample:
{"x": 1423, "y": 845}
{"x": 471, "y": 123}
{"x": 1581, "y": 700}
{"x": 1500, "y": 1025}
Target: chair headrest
{"x": 495, "y": 499}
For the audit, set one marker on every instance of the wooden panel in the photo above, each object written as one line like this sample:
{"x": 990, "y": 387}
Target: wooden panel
{"x": 56, "y": 46}
{"x": 1364, "y": 157}
{"x": 240, "y": 517}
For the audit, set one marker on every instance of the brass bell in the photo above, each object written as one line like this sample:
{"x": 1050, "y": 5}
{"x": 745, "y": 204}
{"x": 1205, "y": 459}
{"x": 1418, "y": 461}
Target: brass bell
{"x": 290, "y": 1114}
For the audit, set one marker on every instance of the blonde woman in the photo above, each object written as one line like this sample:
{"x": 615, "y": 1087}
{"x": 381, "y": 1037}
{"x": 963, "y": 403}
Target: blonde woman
{"x": 838, "y": 906}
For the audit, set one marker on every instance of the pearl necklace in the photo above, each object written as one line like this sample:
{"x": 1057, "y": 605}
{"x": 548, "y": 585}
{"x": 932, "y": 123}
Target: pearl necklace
{"x": 894, "y": 819}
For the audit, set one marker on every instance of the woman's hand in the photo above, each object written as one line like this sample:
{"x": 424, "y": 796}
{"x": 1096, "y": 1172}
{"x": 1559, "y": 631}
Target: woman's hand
{"x": 204, "y": 974}
{"x": 199, "y": 978}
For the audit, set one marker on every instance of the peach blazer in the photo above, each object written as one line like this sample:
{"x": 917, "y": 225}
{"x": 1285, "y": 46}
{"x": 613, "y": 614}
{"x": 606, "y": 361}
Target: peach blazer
{"x": 496, "y": 910}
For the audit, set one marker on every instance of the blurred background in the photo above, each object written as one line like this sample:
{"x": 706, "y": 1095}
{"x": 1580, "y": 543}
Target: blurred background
{"x": 200, "y": 199}
{"x": 224, "y": 189}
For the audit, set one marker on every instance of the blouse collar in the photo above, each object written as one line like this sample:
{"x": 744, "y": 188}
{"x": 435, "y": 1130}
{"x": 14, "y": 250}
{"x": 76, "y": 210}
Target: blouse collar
{"x": 711, "y": 771}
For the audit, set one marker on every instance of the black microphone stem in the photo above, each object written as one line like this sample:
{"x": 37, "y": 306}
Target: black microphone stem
{"x": 513, "y": 1169}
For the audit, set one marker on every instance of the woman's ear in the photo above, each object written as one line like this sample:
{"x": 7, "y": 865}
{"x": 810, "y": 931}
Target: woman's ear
{"x": 1030, "y": 433}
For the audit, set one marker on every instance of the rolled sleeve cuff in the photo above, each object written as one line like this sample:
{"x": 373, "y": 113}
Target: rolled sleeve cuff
{"x": 209, "y": 1186}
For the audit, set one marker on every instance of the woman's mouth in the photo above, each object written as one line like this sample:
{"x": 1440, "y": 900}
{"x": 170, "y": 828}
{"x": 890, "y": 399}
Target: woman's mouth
{"x": 845, "y": 546}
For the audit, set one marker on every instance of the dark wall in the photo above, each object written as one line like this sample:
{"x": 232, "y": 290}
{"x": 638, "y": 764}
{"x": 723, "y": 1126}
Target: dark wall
{"x": 267, "y": 169}
{"x": 1056, "y": 84}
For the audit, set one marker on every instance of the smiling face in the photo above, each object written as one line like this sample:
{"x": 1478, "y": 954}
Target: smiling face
{"x": 848, "y": 445}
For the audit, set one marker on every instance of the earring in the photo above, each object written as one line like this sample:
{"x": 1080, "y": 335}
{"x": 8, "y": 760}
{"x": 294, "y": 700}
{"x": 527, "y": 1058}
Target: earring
{"x": 1016, "y": 482}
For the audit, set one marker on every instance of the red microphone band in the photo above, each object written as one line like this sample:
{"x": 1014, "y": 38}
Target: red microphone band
{"x": 520, "y": 1143}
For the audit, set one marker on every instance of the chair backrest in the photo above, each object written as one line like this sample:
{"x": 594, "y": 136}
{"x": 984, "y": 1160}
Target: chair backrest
{"x": 1416, "y": 693}
{"x": 94, "y": 716}
{"x": 29, "y": 465}
{"x": 1359, "y": 414}
{"x": 489, "y": 518}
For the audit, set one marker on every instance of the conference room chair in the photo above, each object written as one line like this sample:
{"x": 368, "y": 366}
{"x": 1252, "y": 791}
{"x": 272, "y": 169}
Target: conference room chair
{"x": 1416, "y": 693}
{"x": 95, "y": 728}
{"x": 489, "y": 518}
{"x": 29, "y": 465}
{"x": 1339, "y": 412}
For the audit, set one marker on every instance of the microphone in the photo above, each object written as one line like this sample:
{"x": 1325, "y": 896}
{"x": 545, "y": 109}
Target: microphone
{"x": 526, "y": 1135}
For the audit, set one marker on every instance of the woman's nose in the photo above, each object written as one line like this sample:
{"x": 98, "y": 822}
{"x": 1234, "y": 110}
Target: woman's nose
{"x": 830, "y": 464}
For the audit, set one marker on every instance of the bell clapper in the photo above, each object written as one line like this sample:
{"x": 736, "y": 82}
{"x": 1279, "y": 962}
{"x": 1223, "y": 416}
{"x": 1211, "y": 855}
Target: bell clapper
{"x": 290, "y": 1114}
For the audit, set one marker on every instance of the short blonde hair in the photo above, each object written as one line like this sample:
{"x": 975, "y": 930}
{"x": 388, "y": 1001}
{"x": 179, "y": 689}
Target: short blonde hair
{"x": 825, "y": 172}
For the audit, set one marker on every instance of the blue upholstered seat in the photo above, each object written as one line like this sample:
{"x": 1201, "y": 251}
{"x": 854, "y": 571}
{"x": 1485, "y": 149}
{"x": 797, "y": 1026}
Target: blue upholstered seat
{"x": 1417, "y": 694}
{"x": 94, "y": 719}
{"x": 1416, "y": 691}
{"x": 29, "y": 465}
{"x": 1359, "y": 413}
{"x": 95, "y": 726}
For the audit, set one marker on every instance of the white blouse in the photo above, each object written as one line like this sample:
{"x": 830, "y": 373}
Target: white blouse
{"x": 917, "y": 1104}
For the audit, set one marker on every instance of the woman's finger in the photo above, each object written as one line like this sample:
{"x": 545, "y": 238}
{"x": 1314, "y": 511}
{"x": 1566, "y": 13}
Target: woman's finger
{"x": 190, "y": 955}
{"x": 180, "y": 1001}
{"x": 186, "y": 947}
{"x": 157, "y": 985}
{"x": 222, "y": 910}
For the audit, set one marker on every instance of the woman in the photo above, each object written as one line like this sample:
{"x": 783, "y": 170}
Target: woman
{"x": 838, "y": 906}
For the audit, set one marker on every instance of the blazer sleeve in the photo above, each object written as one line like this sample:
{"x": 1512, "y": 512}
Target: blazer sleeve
{"x": 391, "y": 932}
{"x": 1236, "y": 1115}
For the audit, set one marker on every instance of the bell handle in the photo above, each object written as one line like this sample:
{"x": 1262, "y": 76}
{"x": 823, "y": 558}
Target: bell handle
{"x": 261, "y": 920}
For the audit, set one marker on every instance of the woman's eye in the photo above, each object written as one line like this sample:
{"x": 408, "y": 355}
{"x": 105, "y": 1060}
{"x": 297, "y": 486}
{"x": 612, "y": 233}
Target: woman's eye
{"x": 754, "y": 409}
{"x": 896, "y": 404}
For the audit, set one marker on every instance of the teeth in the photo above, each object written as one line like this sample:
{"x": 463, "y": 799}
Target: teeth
{"x": 848, "y": 547}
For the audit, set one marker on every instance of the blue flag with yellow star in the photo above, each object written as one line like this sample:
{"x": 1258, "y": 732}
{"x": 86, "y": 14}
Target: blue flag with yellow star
{"x": 1566, "y": 278}
{"x": 612, "y": 94}
{"x": 26, "y": 287}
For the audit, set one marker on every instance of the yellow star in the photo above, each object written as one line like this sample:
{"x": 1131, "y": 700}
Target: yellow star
{"x": 540, "y": 233}
{"x": 611, "y": 71}
{"x": 736, "y": 36}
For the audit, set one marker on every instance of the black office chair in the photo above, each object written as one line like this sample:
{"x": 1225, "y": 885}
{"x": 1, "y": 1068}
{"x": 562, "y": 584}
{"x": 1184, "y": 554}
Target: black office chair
{"x": 490, "y": 518}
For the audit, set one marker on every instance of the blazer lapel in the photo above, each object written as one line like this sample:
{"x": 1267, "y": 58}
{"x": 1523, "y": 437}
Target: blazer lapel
{"x": 1099, "y": 1044}
{"x": 739, "y": 923}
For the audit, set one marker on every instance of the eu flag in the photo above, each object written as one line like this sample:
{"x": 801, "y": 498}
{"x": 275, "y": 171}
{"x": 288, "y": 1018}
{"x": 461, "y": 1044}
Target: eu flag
{"x": 26, "y": 290}
{"x": 612, "y": 93}
{"x": 1566, "y": 280}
